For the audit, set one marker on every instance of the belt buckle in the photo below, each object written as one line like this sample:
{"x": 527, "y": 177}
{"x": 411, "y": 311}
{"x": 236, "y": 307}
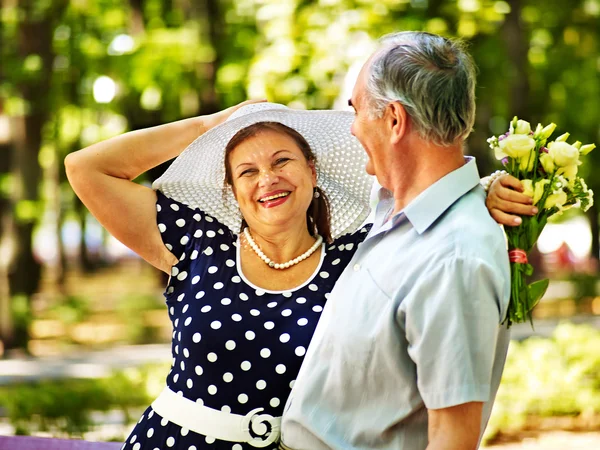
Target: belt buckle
{"x": 257, "y": 424}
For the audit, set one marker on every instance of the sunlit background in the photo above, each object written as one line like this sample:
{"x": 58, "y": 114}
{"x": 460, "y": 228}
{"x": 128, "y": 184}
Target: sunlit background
{"x": 82, "y": 317}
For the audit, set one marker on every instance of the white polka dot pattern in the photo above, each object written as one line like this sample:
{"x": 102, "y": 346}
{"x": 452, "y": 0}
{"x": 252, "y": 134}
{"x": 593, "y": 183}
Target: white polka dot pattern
{"x": 236, "y": 347}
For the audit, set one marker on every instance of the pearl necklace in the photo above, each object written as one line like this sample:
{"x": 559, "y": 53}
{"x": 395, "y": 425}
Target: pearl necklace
{"x": 285, "y": 265}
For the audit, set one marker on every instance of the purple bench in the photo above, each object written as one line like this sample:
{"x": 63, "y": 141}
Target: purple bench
{"x": 34, "y": 443}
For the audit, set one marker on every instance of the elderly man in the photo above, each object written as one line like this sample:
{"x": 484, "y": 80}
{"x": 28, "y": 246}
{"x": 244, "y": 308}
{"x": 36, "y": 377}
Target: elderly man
{"x": 410, "y": 349}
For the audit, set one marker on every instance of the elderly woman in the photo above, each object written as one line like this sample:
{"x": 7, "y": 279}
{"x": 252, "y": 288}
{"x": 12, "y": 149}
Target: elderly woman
{"x": 254, "y": 221}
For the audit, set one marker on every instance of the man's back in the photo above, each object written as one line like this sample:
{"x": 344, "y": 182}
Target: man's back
{"x": 413, "y": 324}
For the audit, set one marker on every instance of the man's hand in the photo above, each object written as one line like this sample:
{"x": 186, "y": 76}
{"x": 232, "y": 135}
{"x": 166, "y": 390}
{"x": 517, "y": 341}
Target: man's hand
{"x": 505, "y": 198}
{"x": 455, "y": 428}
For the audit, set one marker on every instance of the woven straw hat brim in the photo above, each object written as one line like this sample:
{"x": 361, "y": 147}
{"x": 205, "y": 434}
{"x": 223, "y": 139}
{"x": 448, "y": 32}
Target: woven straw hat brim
{"x": 197, "y": 177}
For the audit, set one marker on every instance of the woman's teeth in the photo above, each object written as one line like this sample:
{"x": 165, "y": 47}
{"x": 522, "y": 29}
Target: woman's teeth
{"x": 273, "y": 197}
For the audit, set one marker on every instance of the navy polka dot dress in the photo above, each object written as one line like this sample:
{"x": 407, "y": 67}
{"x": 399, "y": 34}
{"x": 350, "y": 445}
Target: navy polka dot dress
{"x": 235, "y": 347}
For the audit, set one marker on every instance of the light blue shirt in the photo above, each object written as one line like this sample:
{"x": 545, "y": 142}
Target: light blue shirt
{"x": 412, "y": 324}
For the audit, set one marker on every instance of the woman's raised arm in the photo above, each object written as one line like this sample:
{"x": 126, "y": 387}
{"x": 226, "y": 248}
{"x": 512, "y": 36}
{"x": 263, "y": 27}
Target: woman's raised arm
{"x": 102, "y": 177}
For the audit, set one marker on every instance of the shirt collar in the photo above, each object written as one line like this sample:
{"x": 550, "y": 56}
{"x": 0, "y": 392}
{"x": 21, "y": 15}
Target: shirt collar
{"x": 430, "y": 204}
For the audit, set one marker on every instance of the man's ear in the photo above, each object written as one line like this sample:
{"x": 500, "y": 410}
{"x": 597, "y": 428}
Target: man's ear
{"x": 397, "y": 119}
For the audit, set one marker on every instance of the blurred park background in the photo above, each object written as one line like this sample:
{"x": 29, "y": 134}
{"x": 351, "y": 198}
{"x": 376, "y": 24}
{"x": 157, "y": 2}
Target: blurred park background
{"x": 84, "y": 335}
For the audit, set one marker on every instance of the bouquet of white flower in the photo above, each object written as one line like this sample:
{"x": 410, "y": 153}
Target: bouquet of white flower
{"x": 548, "y": 172}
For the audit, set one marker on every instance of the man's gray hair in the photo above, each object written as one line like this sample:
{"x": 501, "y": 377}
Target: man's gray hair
{"x": 432, "y": 77}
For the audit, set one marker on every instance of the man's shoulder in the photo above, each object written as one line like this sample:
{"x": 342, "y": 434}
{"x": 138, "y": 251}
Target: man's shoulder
{"x": 467, "y": 230}
{"x": 469, "y": 216}
{"x": 467, "y": 246}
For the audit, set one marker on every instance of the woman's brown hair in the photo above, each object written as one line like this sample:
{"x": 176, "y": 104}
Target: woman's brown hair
{"x": 317, "y": 216}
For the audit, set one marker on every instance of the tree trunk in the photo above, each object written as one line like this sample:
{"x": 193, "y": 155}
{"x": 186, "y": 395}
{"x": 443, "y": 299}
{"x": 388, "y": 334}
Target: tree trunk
{"x": 52, "y": 180}
{"x": 6, "y": 250}
{"x": 86, "y": 263}
{"x": 209, "y": 100}
{"x": 6, "y": 254}
{"x": 25, "y": 271}
{"x": 517, "y": 46}
{"x": 136, "y": 22}
{"x": 34, "y": 37}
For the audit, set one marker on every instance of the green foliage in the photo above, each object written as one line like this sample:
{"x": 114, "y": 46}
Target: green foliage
{"x": 130, "y": 310}
{"x": 72, "y": 310}
{"x": 21, "y": 311}
{"x": 549, "y": 377}
{"x": 543, "y": 377}
{"x": 293, "y": 51}
{"x": 171, "y": 60}
{"x": 586, "y": 286}
{"x": 27, "y": 211}
{"x": 64, "y": 407}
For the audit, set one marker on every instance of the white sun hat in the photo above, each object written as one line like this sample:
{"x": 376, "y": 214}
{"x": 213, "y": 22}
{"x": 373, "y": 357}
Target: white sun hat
{"x": 197, "y": 177}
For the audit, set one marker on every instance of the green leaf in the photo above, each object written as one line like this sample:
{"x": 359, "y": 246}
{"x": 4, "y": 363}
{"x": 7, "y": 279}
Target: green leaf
{"x": 536, "y": 292}
{"x": 532, "y": 232}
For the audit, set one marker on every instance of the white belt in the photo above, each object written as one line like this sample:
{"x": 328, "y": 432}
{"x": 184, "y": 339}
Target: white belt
{"x": 217, "y": 424}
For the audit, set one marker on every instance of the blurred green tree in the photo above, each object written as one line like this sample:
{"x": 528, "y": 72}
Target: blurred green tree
{"x": 76, "y": 72}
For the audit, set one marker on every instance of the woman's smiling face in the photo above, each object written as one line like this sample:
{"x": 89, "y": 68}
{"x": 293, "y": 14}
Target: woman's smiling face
{"x": 272, "y": 180}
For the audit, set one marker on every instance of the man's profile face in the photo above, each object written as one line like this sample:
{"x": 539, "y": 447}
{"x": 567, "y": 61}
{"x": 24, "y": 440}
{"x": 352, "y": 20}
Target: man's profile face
{"x": 368, "y": 131}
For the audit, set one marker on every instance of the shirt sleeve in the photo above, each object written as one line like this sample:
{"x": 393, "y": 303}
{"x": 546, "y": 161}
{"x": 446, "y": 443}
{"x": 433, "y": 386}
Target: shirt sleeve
{"x": 452, "y": 325}
{"x": 178, "y": 224}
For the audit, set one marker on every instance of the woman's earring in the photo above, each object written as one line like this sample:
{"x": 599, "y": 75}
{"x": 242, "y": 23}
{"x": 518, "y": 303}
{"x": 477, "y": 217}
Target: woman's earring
{"x": 316, "y": 193}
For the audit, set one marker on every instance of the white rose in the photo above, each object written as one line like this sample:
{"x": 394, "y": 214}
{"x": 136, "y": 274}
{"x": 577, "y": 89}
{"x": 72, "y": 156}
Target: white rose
{"x": 517, "y": 146}
{"x": 563, "y": 154}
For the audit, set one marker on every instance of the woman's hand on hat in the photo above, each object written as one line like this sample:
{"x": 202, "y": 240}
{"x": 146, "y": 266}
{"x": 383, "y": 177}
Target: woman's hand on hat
{"x": 212, "y": 120}
{"x": 506, "y": 202}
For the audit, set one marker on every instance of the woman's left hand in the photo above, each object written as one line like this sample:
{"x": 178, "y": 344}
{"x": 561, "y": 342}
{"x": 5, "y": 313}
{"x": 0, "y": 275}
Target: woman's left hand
{"x": 505, "y": 200}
